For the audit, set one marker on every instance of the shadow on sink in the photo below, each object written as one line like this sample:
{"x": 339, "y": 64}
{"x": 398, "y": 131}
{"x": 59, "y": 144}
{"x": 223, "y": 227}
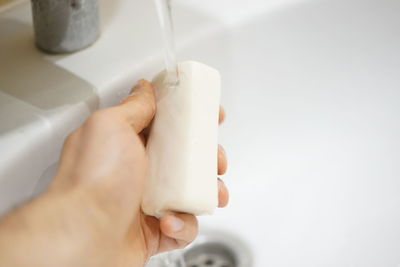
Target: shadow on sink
{"x": 32, "y": 80}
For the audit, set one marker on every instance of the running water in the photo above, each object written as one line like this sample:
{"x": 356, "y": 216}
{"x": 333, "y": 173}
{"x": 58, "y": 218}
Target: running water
{"x": 165, "y": 18}
{"x": 175, "y": 258}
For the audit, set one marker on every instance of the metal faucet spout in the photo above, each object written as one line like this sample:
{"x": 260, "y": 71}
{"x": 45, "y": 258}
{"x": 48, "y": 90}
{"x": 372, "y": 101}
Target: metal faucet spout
{"x": 65, "y": 26}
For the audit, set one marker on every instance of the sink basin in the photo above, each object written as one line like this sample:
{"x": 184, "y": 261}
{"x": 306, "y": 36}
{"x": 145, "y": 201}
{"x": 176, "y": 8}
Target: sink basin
{"x": 311, "y": 90}
{"x": 312, "y": 134}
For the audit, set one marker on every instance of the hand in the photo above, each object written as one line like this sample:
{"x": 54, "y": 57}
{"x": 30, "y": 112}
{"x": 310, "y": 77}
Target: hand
{"x": 91, "y": 214}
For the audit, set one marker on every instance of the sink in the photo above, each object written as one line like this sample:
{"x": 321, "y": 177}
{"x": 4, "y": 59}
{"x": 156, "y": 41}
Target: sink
{"x": 312, "y": 134}
{"x": 311, "y": 89}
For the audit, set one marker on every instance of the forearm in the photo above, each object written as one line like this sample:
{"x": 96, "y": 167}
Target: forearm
{"x": 64, "y": 230}
{"x": 42, "y": 233}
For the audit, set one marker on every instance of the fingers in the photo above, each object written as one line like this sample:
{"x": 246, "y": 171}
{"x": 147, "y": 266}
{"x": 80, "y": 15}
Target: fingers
{"x": 139, "y": 108}
{"x": 222, "y": 161}
{"x": 223, "y": 194}
{"x": 181, "y": 227}
{"x": 221, "y": 115}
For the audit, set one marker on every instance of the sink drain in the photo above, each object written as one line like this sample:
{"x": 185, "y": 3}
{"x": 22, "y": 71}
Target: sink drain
{"x": 210, "y": 255}
{"x": 217, "y": 249}
{"x": 210, "y": 249}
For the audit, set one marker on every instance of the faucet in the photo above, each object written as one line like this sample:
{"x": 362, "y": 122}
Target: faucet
{"x": 65, "y": 26}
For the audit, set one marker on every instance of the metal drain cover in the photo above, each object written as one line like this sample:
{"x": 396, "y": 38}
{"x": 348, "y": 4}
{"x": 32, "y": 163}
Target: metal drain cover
{"x": 217, "y": 249}
{"x": 210, "y": 249}
{"x": 210, "y": 255}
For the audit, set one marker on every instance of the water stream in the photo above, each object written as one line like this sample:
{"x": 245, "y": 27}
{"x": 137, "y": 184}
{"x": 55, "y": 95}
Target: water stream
{"x": 166, "y": 23}
{"x": 164, "y": 12}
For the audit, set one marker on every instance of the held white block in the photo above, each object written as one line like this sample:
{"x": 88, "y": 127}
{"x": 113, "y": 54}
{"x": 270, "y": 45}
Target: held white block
{"x": 182, "y": 145}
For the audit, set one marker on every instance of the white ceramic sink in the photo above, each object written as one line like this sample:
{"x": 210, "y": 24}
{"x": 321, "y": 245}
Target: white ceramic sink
{"x": 312, "y": 93}
{"x": 313, "y": 135}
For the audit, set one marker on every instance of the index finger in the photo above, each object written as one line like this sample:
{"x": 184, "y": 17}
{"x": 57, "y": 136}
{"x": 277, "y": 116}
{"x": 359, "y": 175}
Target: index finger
{"x": 221, "y": 115}
{"x": 139, "y": 107}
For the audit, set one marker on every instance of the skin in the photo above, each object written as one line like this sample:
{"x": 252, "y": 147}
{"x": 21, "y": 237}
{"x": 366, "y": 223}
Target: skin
{"x": 91, "y": 214}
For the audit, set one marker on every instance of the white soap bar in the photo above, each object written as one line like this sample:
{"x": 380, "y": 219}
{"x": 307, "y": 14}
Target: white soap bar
{"x": 182, "y": 145}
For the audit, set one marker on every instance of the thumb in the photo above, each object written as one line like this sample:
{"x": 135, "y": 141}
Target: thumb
{"x": 139, "y": 107}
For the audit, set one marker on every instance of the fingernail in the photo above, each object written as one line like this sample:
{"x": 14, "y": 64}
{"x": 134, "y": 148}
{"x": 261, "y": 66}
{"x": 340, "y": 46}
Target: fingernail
{"x": 222, "y": 150}
{"x": 176, "y": 224}
{"x": 134, "y": 90}
{"x": 138, "y": 85}
{"x": 221, "y": 114}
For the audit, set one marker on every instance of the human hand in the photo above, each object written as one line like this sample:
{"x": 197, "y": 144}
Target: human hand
{"x": 91, "y": 215}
